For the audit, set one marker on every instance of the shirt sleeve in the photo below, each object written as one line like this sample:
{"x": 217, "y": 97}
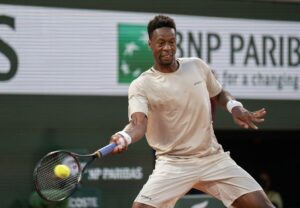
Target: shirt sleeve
{"x": 137, "y": 100}
{"x": 214, "y": 87}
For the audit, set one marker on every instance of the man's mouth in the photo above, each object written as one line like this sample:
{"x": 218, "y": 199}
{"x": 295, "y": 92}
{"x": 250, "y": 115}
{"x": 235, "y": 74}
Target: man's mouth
{"x": 167, "y": 56}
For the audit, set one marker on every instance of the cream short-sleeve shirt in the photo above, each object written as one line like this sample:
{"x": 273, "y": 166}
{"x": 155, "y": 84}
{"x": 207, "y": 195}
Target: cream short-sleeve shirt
{"x": 178, "y": 108}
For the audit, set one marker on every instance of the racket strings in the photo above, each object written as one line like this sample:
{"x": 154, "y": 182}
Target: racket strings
{"x": 52, "y": 187}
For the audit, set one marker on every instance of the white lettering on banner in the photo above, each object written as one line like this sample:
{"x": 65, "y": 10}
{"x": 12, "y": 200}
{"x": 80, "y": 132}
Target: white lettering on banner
{"x": 117, "y": 173}
{"x": 82, "y": 202}
{"x": 57, "y": 51}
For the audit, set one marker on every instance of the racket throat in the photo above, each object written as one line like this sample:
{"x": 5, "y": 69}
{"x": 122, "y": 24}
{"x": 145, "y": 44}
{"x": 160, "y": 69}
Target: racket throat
{"x": 97, "y": 154}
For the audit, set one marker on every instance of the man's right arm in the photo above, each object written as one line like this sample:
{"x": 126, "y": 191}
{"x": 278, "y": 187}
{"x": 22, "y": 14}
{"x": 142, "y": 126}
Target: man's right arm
{"x": 134, "y": 131}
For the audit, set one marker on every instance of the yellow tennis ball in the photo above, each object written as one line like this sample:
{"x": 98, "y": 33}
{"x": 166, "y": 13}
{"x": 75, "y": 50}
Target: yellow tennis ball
{"x": 62, "y": 171}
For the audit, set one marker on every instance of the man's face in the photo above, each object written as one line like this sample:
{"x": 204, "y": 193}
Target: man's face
{"x": 163, "y": 45}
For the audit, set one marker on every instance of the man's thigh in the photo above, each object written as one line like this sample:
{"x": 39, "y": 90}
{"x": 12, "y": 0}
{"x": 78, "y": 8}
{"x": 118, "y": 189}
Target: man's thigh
{"x": 168, "y": 182}
{"x": 227, "y": 181}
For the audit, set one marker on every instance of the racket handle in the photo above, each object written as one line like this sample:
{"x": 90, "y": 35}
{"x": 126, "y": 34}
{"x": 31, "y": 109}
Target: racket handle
{"x": 107, "y": 149}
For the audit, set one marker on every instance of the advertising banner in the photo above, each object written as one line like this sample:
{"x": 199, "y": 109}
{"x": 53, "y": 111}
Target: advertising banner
{"x": 60, "y": 51}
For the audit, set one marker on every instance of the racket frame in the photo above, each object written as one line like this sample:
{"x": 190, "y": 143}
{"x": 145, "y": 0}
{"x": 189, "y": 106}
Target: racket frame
{"x": 98, "y": 154}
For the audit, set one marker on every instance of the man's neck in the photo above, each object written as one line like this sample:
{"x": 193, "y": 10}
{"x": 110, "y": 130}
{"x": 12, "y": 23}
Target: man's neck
{"x": 167, "y": 68}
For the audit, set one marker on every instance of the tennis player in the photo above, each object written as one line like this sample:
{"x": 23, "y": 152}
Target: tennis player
{"x": 170, "y": 104}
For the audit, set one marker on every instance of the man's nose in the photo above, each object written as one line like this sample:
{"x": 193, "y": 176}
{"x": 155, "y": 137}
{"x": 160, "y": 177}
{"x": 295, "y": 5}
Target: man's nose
{"x": 167, "y": 47}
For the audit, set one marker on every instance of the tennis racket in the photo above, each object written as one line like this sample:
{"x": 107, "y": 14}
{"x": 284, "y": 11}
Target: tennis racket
{"x": 53, "y": 188}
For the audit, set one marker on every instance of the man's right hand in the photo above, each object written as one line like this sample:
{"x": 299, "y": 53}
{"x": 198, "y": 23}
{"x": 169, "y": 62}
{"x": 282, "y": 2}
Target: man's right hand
{"x": 122, "y": 145}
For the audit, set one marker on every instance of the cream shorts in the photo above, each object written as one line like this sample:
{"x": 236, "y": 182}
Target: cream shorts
{"x": 217, "y": 175}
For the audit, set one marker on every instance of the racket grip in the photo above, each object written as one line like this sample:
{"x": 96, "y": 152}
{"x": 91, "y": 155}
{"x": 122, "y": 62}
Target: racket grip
{"x": 107, "y": 149}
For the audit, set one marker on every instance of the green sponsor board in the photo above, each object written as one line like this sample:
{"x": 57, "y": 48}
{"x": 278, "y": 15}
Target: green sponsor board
{"x": 134, "y": 53}
{"x": 199, "y": 201}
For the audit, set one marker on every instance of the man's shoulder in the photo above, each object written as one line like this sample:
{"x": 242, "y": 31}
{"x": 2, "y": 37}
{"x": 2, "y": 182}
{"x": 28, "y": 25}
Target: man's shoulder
{"x": 145, "y": 74}
{"x": 142, "y": 77}
{"x": 191, "y": 60}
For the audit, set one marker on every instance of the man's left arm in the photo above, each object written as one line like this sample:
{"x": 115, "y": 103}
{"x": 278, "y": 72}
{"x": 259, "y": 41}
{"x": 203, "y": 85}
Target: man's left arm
{"x": 241, "y": 116}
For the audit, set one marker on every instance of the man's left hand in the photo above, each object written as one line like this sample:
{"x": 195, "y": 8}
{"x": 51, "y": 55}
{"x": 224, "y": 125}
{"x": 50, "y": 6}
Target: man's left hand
{"x": 247, "y": 119}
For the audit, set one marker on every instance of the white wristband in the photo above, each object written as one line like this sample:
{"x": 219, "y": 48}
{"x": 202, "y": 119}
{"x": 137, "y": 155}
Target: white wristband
{"x": 233, "y": 103}
{"x": 126, "y": 136}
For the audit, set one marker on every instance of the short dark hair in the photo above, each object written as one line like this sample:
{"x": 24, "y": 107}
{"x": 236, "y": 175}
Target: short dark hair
{"x": 160, "y": 21}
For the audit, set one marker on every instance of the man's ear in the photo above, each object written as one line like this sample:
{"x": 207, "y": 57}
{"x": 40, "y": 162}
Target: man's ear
{"x": 149, "y": 43}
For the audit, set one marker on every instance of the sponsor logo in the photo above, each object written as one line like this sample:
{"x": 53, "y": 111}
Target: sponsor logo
{"x": 200, "y": 205}
{"x": 134, "y": 55}
{"x": 83, "y": 202}
{"x": 118, "y": 173}
{"x": 146, "y": 197}
{"x": 196, "y": 83}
